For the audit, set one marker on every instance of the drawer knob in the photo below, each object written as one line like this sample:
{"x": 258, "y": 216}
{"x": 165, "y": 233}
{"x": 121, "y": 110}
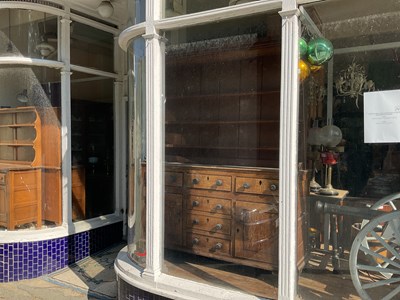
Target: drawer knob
{"x": 173, "y": 178}
{"x": 195, "y": 203}
{"x": 195, "y": 222}
{"x": 195, "y": 181}
{"x": 195, "y": 241}
{"x": 246, "y": 185}
{"x": 218, "y": 182}
{"x": 218, "y": 206}
{"x": 218, "y": 226}
{"x": 218, "y": 246}
{"x": 273, "y": 187}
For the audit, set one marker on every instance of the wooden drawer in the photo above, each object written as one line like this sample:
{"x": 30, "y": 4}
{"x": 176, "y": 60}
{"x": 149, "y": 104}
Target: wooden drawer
{"x": 173, "y": 179}
{"x": 202, "y": 243}
{"x": 209, "y": 205}
{"x": 210, "y": 182}
{"x": 207, "y": 223}
{"x": 2, "y": 178}
{"x": 260, "y": 186}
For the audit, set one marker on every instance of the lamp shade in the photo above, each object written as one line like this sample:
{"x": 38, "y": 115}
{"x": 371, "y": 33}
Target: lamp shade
{"x": 105, "y": 9}
{"x": 332, "y": 135}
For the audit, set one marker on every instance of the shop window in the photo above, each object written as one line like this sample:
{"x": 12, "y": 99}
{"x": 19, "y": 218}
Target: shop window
{"x": 91, "y": 47}
{"x": 349, "y": 114}
{"x": 28, "y": 33}
{"x": 92, "y": 146}
{"x": 173, "y": 8}
{"x": 30, "y": 149}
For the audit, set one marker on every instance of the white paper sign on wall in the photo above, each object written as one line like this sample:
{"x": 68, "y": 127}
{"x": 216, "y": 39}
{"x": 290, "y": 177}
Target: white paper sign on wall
{"x": 382, "y": 117}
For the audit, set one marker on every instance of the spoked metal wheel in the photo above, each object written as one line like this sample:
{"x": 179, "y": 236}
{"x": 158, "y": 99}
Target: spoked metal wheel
{"x": 388, "y": 204}
{"x": 375, "y": 258}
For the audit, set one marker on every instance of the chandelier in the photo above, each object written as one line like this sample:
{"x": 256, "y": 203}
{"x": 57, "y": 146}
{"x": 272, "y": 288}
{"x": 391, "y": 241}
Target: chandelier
{"x": 352, "y": 82}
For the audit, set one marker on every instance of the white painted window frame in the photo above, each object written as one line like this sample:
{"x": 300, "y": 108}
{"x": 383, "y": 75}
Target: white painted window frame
{"x": 153, "y": 280}
{"x": 66, "y": 69}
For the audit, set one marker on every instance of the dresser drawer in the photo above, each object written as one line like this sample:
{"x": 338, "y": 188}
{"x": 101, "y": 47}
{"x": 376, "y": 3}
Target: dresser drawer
{"x": 2, "y": 178}
{"x": 260, "y": 186}
{"x": 173, "y": 179}
{"x": 202, "y": 243}
{"x": 210, "y": 182}
{"x": 208, "y": 204}
{"x": 208, "y": 223}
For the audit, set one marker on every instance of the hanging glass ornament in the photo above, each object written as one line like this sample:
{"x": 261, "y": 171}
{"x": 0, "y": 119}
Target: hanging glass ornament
{"x": 320, "y": 50}
{"x": 303, "y": 47}
{"x": 304, "y": 70}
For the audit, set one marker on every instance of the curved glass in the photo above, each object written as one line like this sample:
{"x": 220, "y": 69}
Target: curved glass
{"x": 173, "y": 8}
{"x": 92, "y": 146}
{"x": 137, "y": 152}
{"x": 28, "y": 33}
{"x": 349, "y": 136}
{"x": 30, "y": 148}
{"x": 222, "y": 118}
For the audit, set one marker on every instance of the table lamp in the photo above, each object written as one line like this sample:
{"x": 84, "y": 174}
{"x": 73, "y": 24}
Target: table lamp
{"x": 331, "y": 137}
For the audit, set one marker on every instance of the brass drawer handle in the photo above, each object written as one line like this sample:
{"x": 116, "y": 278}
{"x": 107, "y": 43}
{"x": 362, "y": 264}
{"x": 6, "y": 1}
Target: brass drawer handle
{"x": 195, "y": 222}
{"x": 196, "y": 181}
{"x": 218, "y": 182}
{"x": 218, "y": 246}
{"x": 246, "y": 185}
{"x": 195, "y": 241}
{"x": 219, "y": 206}
{"x": 218, "y": 226}
{"x": 273, "y": 187}
{"x": 195, "y": 203}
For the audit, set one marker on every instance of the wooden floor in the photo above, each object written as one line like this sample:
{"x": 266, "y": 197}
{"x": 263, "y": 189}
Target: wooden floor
{"x": 317, "y": 280}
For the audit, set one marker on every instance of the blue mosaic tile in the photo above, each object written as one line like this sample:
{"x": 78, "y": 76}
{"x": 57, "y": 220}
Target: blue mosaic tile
{"x": 28, "y": 260}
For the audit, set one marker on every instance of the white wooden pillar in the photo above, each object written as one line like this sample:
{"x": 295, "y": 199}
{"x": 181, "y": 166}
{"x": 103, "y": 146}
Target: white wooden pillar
{"x": 155, "y": 49}
{"x": 66, "y": 122}
{"x": 287, "y": 286}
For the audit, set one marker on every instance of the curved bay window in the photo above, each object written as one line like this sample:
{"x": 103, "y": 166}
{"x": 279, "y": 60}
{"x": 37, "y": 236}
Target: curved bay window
{"x": 137, "y": 153}
{"x": 30, "y": 150}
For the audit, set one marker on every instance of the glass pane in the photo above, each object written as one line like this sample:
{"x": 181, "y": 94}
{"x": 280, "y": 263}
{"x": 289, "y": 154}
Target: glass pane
{"x": 91, "y": 47}
{"x": 28, "y": 33}
{"x": 30, "y": 150}
{"x": 137, "y": 152}
{"x": 222, "y": 153}
{"x": 348, "y": 113}
{"x": 92, "y": 146}
{"x": 173, "y": 8}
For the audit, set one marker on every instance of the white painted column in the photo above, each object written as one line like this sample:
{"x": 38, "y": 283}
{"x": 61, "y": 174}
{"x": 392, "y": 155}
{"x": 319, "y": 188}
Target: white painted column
{"x": 155, "y": 49}
{"x": 66, "y": 122}
{"x": 288, "y": 149}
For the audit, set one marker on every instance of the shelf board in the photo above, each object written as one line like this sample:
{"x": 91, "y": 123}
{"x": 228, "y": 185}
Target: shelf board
{"x": 222, "y": 148}
{"x": 232, "y": 94}
{"x": 17, "y": 125}
{"x": 190, "y": 122}
{"x": 17, "y": 144}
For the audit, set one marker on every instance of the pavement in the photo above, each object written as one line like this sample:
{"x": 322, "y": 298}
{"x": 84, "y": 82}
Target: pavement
{"x": 90, "y": 278}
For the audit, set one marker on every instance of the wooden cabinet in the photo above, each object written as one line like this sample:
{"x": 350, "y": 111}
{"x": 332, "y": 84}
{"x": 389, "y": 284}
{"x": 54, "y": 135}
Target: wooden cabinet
{"x": 30, "y": 166}
{"x": 78, "y": 193}
{"x": 228, "y": 213}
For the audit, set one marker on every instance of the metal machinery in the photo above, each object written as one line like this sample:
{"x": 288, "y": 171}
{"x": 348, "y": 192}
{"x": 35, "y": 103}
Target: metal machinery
{"x": 374, "y": 259}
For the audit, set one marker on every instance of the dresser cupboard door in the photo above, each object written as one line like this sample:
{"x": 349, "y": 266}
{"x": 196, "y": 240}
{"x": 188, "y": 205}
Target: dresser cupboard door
{"x": 173, "y": 220}
{"x": 256, "y": 231}
{"x": 3, "y": 206}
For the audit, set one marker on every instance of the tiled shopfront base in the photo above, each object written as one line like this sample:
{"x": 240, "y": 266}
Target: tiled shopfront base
{"x": 27, "y": 260}
{"x": 129, "y": 292}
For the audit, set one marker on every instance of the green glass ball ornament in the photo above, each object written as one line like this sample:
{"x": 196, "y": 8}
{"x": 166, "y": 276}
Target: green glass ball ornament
{"x": 319, "y": 51}
{"x": 303, "y": 47}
